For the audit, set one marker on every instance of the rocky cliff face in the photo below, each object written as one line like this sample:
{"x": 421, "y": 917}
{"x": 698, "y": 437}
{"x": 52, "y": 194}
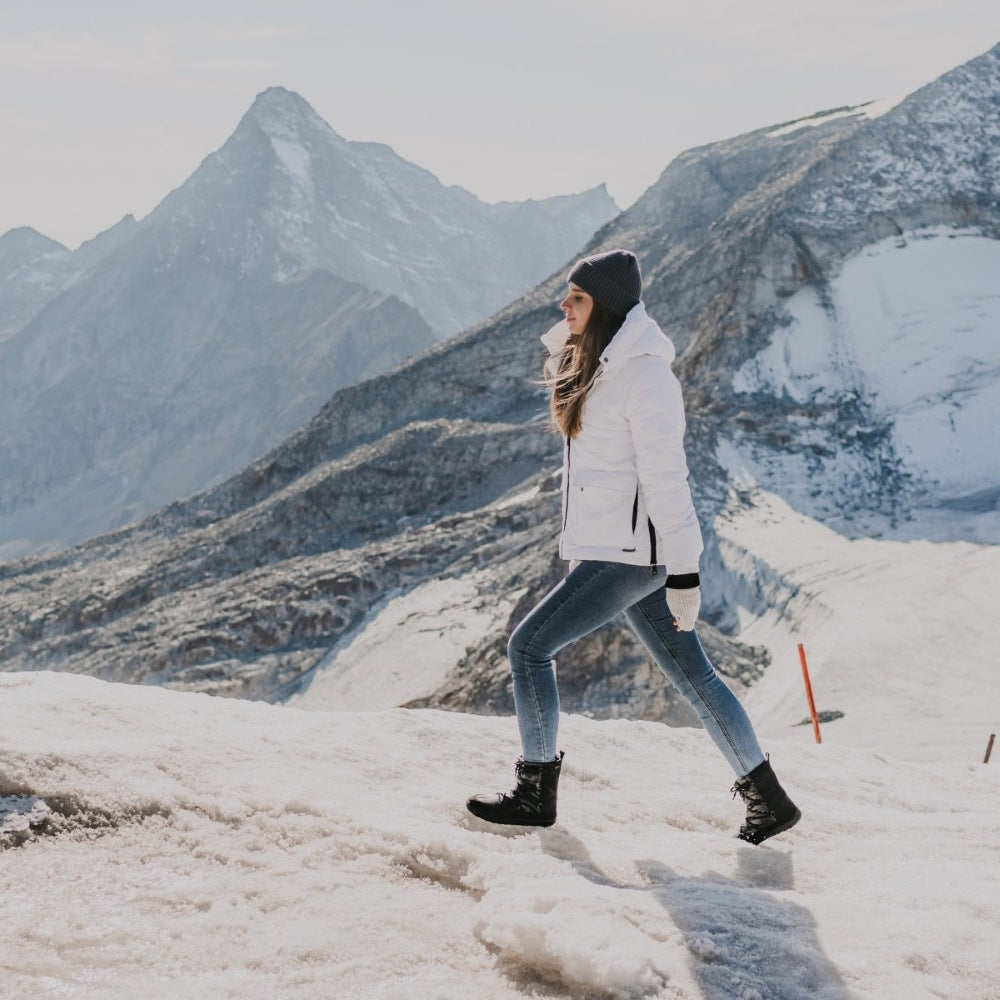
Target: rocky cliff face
{"x": 444, "y": 470}
{"x": 166, "y": 354}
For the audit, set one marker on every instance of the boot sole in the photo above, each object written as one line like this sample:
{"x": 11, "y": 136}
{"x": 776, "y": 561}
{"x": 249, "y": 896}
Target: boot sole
{"x": 773, "y": 831}
{"x": 509, "y": 822}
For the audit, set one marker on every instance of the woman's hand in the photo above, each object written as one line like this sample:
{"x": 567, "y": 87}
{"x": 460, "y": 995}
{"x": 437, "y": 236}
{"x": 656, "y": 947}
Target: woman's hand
{"x": 684, "y": 604}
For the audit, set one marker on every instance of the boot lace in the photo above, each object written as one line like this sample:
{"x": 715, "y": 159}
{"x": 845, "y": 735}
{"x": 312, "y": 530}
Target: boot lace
{"x": 758, "y": 811}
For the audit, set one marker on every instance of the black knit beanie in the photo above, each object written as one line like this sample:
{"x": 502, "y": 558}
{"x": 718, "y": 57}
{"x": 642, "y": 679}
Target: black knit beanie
{"x": 612, "y": 278}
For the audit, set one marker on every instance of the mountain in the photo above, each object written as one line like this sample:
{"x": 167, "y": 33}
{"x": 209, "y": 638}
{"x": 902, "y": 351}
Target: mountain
{"x": 34, "y": 269}
{"x": 374, "y": 218}
{"x": 787, "y": 264}
{"x": 166, "y": 354}
{"x": 30, "y": 272}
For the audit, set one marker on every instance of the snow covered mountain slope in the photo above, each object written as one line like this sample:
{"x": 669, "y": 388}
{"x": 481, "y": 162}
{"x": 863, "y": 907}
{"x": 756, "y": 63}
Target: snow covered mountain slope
{"x": 329, "y": 855}
{"x": 813, "y": 368}
{"x": 884, "y": 623}
{"x": 168, "y": 353}
{"x": 908, "y": 330}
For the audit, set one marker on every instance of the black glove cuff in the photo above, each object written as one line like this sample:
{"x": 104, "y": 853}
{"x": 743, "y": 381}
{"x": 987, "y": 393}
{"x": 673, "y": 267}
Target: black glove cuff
{"x": 683, "y": 581}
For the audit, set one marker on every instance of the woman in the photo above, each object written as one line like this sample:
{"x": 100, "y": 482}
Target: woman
{"x": 631, "y": 534}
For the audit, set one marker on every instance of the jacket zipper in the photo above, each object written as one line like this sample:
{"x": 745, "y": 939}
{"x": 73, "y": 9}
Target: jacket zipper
{"x": 569, "y": 442}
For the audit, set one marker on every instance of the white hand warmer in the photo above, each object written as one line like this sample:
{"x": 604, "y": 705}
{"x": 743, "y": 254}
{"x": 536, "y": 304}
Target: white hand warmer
{"x": 684, "y": 606}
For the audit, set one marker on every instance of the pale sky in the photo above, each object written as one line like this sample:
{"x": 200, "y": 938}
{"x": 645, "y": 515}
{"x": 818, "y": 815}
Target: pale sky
{"x": 108, "y": 105}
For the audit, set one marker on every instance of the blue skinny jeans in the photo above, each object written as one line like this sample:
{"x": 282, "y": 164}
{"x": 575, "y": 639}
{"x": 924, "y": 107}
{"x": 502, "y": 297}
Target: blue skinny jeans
{"x": 590, "y": 596}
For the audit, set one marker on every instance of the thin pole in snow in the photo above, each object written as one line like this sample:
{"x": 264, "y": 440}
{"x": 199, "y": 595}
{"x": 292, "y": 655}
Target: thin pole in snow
{"x": 809, "y": 693}
{"x": 989, "y": 748}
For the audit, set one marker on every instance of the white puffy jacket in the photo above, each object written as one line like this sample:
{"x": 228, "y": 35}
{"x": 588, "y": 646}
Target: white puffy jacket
{"x": 626, "y": 468}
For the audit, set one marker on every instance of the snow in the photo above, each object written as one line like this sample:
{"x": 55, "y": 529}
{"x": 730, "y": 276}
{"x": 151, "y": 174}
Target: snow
{"x": 886, "y": 625}
{"x": 203, "y": 847}
{"x": 407, "y": 648}
{"x": 939, "y": 141}
{"x": 871, "y": 110}
{"x": 518, "y": 498}
{"x": 912, "y": 323}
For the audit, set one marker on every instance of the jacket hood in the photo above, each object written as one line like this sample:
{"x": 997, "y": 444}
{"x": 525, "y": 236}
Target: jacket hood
{"x": 638, "y": 335}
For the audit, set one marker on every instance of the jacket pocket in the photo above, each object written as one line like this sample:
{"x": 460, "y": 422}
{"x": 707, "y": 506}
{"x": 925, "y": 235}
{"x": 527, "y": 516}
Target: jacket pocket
{"x": 602, "y": 507}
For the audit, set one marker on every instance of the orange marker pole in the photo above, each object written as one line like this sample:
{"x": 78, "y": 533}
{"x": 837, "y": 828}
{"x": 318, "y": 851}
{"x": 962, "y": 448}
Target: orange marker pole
{"x": 809, "y": 693}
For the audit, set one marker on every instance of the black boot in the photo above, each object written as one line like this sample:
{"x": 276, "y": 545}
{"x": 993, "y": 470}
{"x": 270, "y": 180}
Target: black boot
{"x": 531, "y": 802}
{"x": 769, "y": 809}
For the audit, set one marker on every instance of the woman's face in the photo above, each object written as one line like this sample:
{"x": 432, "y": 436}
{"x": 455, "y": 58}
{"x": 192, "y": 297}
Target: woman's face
{"x": 577, "y": 306}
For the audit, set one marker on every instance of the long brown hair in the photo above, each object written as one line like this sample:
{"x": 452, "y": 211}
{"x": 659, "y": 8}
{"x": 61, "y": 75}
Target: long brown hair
{"x": 576, "y": 367}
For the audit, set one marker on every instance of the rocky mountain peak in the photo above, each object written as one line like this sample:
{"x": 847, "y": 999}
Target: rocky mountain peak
{"x": 280, "y": 111}
{"x": 32, "y": 267}
{"x": 23, "y": 244}
{"x": 297, "y": 133}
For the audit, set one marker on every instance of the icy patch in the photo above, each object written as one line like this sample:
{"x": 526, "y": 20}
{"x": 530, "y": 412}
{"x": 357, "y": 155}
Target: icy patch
{"x": 911, "y": 323}
{"x": 20, "y": 817}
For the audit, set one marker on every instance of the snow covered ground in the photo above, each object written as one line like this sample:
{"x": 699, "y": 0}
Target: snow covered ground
{"x": 896, "y": 630}
{"x": 204, "y": 848}
{"x": 405, "y": 649}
